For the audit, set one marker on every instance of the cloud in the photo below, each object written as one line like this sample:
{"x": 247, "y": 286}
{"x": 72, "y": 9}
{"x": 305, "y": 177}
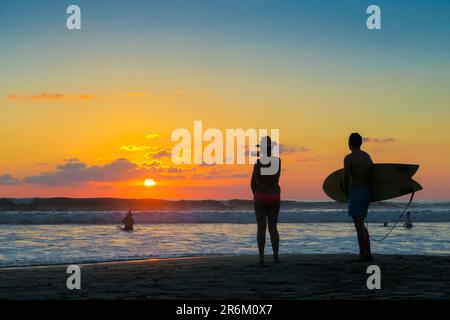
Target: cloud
{"x": 153, "y": 163}
{"x": 283, "y": 148}
{"x": 292, "y": 148}
{"x": 216, "y": 173}
{"x": 8, "y": 180}
{"x": 378, "y": 140}
{"x": 217, "y": 176}
{"x": 71, "y": 164}
{"x": 159, "y": 154}
{"x": 51, "y": 97}
{"x": 73, "y": 171}
{"x": 152, "y": 136}
{"x": 307, "y": 159}
{"x": 132, "y": 147}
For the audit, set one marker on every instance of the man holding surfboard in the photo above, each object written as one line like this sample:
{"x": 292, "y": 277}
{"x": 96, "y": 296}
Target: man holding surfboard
{"x": 357, "y": 180}
{"x": 361, "y": 182}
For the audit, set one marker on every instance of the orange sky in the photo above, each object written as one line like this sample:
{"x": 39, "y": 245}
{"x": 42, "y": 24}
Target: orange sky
{"x": 90, "y": 113}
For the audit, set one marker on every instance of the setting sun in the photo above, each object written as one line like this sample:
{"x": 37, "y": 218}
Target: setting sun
{"x": 149, "y": 182}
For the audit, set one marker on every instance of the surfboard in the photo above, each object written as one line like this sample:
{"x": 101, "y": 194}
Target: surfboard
{"x": 390, "y": 180}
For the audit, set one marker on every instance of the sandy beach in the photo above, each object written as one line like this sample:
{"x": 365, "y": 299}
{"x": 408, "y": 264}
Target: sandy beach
{"x": 236, "y": 277}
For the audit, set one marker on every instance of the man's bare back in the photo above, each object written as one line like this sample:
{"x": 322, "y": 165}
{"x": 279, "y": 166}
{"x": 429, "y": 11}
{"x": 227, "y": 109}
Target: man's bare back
{"x": 357, "y": 179}
{"x": 357, "y": 169}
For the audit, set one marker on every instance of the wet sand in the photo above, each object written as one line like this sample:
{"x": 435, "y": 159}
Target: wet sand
{"x": 238, "y": 277}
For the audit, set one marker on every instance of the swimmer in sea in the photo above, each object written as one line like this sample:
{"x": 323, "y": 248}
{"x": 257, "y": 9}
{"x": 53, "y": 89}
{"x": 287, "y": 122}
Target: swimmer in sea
{"x": 408, "y": 221}
{"x": 128, "y": 222}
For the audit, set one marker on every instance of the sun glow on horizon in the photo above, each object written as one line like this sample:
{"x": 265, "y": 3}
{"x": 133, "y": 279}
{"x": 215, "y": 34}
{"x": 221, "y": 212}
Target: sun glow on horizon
{"x": 149, "y": 182}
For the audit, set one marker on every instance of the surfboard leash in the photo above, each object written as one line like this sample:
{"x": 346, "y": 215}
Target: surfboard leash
{"x": 395, "y": 224}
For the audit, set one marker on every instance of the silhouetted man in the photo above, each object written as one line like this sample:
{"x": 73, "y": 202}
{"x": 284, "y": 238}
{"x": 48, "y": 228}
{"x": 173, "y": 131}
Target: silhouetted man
{"x": 357, "y": 178}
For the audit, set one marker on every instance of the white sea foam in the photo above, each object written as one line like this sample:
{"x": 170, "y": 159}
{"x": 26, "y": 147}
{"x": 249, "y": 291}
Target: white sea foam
{"x": 422, "y": 213}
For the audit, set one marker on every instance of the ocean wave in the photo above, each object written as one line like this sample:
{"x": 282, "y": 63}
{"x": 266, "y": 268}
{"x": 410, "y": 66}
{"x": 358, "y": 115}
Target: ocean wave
{"x": 241, "y": 216}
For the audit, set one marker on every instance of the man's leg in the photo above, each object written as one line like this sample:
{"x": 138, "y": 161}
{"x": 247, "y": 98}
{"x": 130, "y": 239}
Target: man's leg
{"x": 359, "y": 226}
{"x": 367, "y": 241}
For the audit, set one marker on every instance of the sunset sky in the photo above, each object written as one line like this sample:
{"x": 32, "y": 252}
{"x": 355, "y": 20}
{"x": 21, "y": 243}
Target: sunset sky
{"x": 89, "y": 113}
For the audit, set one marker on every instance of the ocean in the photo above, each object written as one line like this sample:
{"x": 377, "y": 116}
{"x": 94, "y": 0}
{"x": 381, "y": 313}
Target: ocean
{"x": 41, "y": 237}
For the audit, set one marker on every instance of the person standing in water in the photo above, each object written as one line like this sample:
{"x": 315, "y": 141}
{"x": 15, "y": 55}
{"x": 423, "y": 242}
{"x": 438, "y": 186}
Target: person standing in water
{"x": 266, "y": 195}
{"x": 357, "y": 177}
{"x": 408, "y": 221}
{"x": 128, "y": 222}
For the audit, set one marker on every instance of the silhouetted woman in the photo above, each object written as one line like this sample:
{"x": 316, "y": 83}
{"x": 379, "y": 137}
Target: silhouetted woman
{"x": 266, "y": 195}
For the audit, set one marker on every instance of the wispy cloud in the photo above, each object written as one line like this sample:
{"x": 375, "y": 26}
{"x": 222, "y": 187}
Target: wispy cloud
{"x": 51, "y": 97}
{"x": 378, "y": 140}
{"x": 292, "y": 148}
{"x": 133, "y": 147}
{"x": 217, "y": 174}
{"x": 284, "y": 148}
{"x": 307, "y": 159}
{"x": 8, "y": 180}
{"x": 152, "y": 136}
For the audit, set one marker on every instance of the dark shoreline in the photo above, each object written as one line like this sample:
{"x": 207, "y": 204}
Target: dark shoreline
{"x": 299, "y": 276}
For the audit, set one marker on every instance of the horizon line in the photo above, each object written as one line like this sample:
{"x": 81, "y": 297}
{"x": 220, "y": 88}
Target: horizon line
{"x": 211, "y": 199}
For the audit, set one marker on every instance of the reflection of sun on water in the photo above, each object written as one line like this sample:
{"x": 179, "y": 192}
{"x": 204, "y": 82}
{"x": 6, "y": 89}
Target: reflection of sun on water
{"x": 149, "y": 182}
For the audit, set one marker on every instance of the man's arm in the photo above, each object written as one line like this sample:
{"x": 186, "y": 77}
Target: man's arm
{"x": 346, "y": 175}
{"x": 369, "y": 180}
